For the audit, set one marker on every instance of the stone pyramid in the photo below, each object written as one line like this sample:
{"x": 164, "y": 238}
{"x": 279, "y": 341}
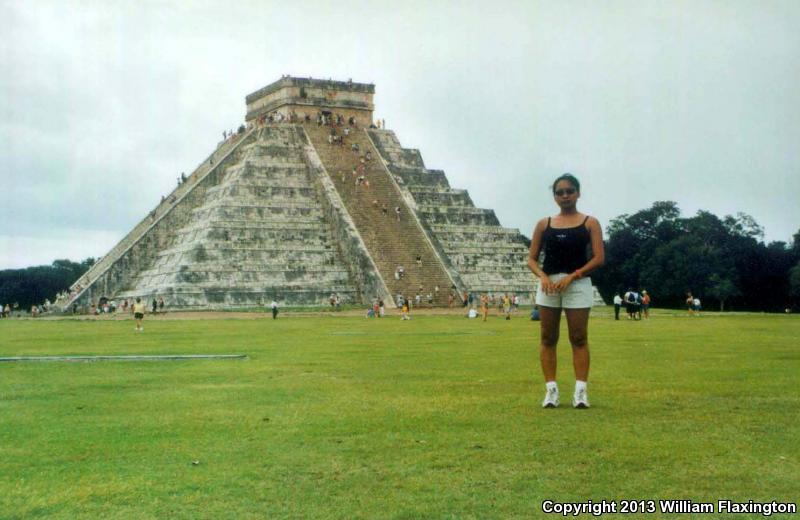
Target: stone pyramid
{"x": 310, "y": 199}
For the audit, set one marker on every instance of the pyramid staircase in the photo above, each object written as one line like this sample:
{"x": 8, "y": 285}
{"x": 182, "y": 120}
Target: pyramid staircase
{"x": 391, "y": 242}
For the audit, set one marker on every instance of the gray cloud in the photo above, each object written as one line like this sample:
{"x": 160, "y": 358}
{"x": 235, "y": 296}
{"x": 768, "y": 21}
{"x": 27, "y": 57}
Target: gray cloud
{"x": 104, "y": 103}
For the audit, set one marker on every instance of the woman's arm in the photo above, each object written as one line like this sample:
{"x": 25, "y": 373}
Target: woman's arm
{"x": 598, "y": 249}
{"x": 533, "y": 257}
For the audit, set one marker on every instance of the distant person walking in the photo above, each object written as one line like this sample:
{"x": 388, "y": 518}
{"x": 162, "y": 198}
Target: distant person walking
{"x": 630, "y": 304}
{"x": 638, "y": 306}
{"x": 139, "y": 308}
{"x": 646, "y": 304}
{"x": 274, "y": 306}
{"x": 405, "y": 309}
{"x": 507, "y": 306}
{"x": 617, "y": 305}
{"x": 566, "y": 240}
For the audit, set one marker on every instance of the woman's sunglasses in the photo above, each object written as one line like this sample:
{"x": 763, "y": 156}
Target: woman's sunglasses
{"x": 565, "y": 191}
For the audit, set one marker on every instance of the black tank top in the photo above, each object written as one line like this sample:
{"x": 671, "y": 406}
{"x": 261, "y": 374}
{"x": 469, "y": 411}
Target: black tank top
{"x": 565, "y": 249}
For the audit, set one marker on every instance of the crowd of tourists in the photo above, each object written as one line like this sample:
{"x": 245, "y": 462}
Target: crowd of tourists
{"x": 71, "y": 293}
{"x": 15, "y": 310}
{"x": 692, "y": 304}
{"x": 10, "y": 309}
{"x": 106, "y": 306}
{"x": 377, "y": 308}
{"x": 321, "y": 118}
{"x": 506, "y": 304}
{"x": 637, "y": 304}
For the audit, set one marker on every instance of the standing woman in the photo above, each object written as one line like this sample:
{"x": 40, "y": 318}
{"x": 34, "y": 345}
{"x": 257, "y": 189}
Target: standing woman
{"x": 572, "y": 244}
{"x": 138, "y": 309}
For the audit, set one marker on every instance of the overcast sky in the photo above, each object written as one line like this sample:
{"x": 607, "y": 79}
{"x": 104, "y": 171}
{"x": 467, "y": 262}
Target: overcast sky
{"x": 104, "y": 103}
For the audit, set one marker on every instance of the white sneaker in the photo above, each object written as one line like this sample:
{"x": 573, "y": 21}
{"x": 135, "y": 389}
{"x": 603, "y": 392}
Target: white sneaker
{"x": 550, "y": 398}
{"x": 580, "y": 399}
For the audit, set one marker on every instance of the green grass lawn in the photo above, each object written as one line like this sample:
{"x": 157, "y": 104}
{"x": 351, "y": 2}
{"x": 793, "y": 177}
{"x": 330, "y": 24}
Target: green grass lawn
{"x": 437, "y": 417}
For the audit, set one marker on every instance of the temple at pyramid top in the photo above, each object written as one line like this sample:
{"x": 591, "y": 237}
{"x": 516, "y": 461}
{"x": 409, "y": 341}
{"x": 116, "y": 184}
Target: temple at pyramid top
{"x": 308, "y": 96}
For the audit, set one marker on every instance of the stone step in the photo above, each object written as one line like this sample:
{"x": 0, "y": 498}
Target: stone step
{"x": 260, "y": 257}
{"x": 308, "y": 224}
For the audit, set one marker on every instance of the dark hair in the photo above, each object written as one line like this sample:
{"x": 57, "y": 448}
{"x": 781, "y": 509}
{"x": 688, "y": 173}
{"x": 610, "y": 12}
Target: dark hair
{"x": 569, "y": 178}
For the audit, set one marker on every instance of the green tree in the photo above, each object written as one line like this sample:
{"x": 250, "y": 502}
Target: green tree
{"x": 794, "y": 283}
{"x": 631, "y": 240}
{"x": 796, "y": 243}
{"x": 722, "y": 289}
{"x": 743, "y": 225}
{"x": 33, "y": 285}
{"x": 721, "y": 260}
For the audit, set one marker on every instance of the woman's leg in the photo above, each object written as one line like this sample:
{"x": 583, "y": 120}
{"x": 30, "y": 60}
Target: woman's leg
{"x": 578, "y": 323}
{"x": 550, "y": 320}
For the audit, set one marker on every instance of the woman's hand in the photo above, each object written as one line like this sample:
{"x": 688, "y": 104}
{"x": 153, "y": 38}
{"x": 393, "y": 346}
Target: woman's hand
{"x": 547, "y": 286}
{"x": 561, "y": 285}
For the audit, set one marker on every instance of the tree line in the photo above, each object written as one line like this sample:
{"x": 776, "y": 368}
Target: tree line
{"x": 33, "y": 285}
{"x": 724, "y": 261}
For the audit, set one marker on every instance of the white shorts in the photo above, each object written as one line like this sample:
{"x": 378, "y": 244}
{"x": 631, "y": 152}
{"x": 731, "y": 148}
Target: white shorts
{"x": 578, "y": 295}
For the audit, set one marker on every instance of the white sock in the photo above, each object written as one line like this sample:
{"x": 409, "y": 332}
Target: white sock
{"x": 551, "y": 384}
{"x": 580, "y": 385}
